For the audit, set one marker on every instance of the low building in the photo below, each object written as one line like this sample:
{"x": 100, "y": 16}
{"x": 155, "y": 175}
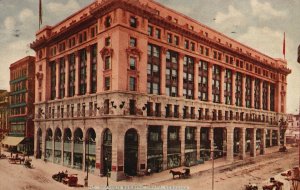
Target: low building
{"x": 4, "y": 112}
{"x": 22, "y": 93}
{"x": 125, "y": 85}
{"x": 293, "y": 130}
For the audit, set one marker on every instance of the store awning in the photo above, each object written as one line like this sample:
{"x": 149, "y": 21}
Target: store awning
{"x": 12, "y": 141}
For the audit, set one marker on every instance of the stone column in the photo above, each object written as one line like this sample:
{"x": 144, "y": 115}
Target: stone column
{"x": 198, "y": 140}
{"x": 118, "y": 143}
{"x": 271, "y": 138}
{"x": 143, "y": 147}
{"x": 67, "y": 68}
{"x": 196, "y": 77}
{"x": 211, "y": 138}
{"x": 263, "y": 141}
{"x": 209, "y": 82}
{"x": 163, "y": 72}
{"x": 278, "y": 137}
{"x": 253, "y": 143}
{"x": 261, "y": 94}
{"x": 243, "y": 90}
{"x": 233, "y": 90}
{"x": 77, "y": 67}
{"x": 35, "y": 140}
{"x": 57, "y": 75}
{"x": 84, "y": 150}
{"x": 165, "y": 146}
{"x": 43, "y": 153}
{"x": 269, "y": 97}
{"x": 62, "y": 147}
{"x": 242, "y": 143}
{"x": 180, "y": 75}
{"x": 182, "y": 141}
{"x": 252, "y": 92}
{"x": 88, "y": 70}
{"x": 222, "y": 85}
{"x": 229, "y": 132}
{"x": 53, "y": 146}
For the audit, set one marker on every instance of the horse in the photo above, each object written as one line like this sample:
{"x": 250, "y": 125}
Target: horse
{"x": 176, "y": 173}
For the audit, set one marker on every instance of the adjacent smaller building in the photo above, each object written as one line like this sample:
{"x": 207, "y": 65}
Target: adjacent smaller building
{"x": 21, "y": 98}
{"x": 293, "y": 131}
{"x": 3, "y": 113}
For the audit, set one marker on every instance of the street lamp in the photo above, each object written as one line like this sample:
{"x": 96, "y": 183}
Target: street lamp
{"x": 282, "y": 128}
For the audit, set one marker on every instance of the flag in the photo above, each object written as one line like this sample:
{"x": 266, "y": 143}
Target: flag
{"x": 283, "y": 49}
{"x": 40, "y": 14}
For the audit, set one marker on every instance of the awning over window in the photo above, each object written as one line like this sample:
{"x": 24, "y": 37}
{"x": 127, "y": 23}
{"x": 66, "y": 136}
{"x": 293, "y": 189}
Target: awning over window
{"x": 12, "y": 141}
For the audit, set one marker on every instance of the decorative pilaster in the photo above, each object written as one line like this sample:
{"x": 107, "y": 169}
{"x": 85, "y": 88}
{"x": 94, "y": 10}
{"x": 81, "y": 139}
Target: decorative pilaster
{"x": 163, "y": 71}
{"x": 198, "y": 140}
{"x": 263, "y": 141}
{"x": 196, "y": 77}
{"x": 243, "y": 90}
{"x": 253, "y": 143}
{"x": 252, "y": 92}
{"x": 233, "y": 89}
{"x": 271, "y": 138}
{"x": 67, "y": 71}
{"x": 209, "y": 82}
{"x": 261, "y": 94}
{"x": 269, "y": 97}
{"x": 88, "y": 70}
{"x": 77, "y": 67}
{"x": 182, "y": 141}
{"x": 242, "y": 143}
{"x": 229, "y": 156}
{"x": 57, "y": 75}
{"x": 180, "y": 75}
{"x": 165, "y": 146}
{"x": 222, "y": 85}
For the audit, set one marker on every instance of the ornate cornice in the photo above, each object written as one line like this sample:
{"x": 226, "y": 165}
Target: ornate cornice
{"x": 134, "y": 51}
{"x": 106, "y": 52}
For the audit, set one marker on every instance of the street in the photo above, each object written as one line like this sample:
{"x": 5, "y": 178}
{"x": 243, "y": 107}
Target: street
{"x": 14, "y": 176}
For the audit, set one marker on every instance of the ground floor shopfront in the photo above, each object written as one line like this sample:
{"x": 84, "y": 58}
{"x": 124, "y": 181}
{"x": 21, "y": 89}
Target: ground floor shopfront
{"x": 131, "y": 146}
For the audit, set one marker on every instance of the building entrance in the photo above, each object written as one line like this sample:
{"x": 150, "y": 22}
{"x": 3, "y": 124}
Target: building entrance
{"x": 131, "y": 152}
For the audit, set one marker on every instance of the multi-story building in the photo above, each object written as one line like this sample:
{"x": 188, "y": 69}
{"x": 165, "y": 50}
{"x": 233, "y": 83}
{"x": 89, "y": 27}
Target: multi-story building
{"x": 22, "y": 92}
{"x": 293, "y": 130}
{"x": 143, "y": 86}
{"x": 4, "y": 110}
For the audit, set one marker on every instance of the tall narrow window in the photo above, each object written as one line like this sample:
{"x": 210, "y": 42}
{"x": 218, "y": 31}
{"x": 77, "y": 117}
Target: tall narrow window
{"x": 62, "y": 77}
{"x": 169, "y": 38}
{"x": 107, "y": 41}
{"x": 132, "y": 84}
{"x": 53, "y": 80}
{"x": 257, "y": 94}
{"x": 93, "y": 68}
{"x": 172, "y": 73}
{"x": 272, "y": 97}
{"x": 133, "y": 42}
{"x": 202, "y": 81}
{"x": 228, "y": 86}
{"x": 248, "y": 97}
{"x": 82, "y": 71}
{"x": 265, "y": 95}
{"x": 153, "y": 69}
{"x": 107, "y": 21}
{"x": 72, "y": 71}
{"x": 132, "y": 63}
{"x": 238, "y": 89}
{"x": 150, "y": 30}
{"x": 107, "y": 83}
{"x": 157, "y": 33}
{"x": 216, "y": 83}
{"x": 133, "y": 22}
{"x": 188, "y": 77}
{"x": 107, "y": 63}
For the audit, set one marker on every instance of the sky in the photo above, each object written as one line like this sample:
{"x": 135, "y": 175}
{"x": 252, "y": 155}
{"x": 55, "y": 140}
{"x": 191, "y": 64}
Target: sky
{"x": 259, "y": 24}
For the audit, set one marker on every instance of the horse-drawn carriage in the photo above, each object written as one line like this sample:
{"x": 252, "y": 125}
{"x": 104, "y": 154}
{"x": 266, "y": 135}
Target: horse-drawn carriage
{"x": 68, "y": 179}
{"x": 185, "y": 174}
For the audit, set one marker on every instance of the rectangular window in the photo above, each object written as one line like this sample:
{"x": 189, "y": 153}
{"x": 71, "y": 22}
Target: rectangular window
{"x": 107, "y": 21}
{"x": 257, "y": 94}
{"x": 186, "y": 44}
{"x": 192, "y": 46}
{"x": 169, "y": 38}
{"x": 238, "y": 89}
{"x": 176, "y": 40}
{"x": 53, "y": 80}
{"x": 228, "y": 86}
{"x": 107, "y": 41}
{"x": 150, "y": 31}
{"x": 94, "y": 68}
{"x": 202, "y": 81}
{"x": 216, "y": 70}
{"x": 62, "y": 77}
{"x": 82, "y": 71}
{"x": 188, "y": 77}
{"x": 248, "y": 96}
{"x": 132, "y": 61}
{"x": 107, "y": 63}
{"x": 133, "y": 42}
{"x": 132, "y": 84}
{"x": 265, "y": 95}
{"x": 153, "y": 69}
{"x": 133, "y": 22}
{"x": 172, "y": 73}
{"x": 107, "y": 83}
{"x": 157, "y": 33}
{"x": 72, "y": 70}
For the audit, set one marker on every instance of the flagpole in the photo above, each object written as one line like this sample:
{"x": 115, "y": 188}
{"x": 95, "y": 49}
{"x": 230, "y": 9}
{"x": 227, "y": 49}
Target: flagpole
{"x": 283, "y": 50}
{"x": 40, "y": 14}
